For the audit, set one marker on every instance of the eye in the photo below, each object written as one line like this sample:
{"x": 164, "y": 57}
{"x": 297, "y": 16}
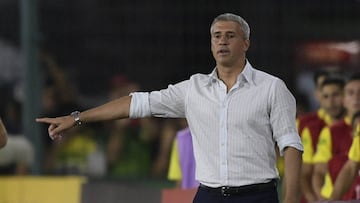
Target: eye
{"x": 217, "y": 36}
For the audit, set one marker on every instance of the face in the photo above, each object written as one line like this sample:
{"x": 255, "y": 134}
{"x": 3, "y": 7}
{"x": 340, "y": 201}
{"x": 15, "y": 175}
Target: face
{"x": 228, "y": 44}
{"x": 352, "y": 97}
{"x": 332, "y": 98}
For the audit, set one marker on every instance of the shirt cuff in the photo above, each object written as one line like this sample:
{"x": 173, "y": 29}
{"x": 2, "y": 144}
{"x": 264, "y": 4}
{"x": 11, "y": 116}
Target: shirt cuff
{"x": 290, "y": 140}
{"x": 139, "y": 106}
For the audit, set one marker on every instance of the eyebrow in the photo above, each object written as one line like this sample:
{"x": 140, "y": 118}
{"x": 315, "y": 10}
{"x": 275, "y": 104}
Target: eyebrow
{"x": 226, "y": 32}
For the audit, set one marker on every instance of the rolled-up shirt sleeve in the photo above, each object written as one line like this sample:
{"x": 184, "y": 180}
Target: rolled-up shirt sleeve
{"x": 290, "y": 140}
{"x": 169, "y": 102}
{"x": 139, "y": 106}
{"x": 282, "y": 117}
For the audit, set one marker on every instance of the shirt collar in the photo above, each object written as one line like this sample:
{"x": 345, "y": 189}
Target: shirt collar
{"x": 347, "y": 120}
{"x": 246, "y": 75}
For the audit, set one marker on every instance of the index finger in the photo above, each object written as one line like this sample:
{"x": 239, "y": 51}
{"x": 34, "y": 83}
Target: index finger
{"x": 45, "y": 120}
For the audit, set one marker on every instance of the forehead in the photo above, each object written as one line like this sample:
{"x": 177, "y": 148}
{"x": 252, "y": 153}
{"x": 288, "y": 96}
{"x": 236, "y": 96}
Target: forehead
{"x": 354, "y": 85}
{"x": 331, "y": 87}
{"x": 226, "y": 26}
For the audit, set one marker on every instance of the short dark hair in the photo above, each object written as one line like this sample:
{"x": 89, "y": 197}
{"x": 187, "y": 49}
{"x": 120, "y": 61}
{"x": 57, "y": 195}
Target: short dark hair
{"x": 318, "y": 74}
{"x": 235, "y": 18}
{"x": 332, "y": 80}
{"x": 353, "y": 77}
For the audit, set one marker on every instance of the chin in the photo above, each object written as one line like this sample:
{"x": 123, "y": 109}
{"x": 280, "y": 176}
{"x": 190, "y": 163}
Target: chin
{"x": 225, "y": 63}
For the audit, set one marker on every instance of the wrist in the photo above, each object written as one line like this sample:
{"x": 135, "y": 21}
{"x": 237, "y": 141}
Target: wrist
{"x": 76, "y": 116}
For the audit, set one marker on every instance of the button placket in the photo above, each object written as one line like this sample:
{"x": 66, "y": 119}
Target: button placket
{"x": 223, "y": 141}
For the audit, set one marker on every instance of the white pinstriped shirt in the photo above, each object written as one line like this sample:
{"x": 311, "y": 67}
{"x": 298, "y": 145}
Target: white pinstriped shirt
{"x": 234, "y": 132}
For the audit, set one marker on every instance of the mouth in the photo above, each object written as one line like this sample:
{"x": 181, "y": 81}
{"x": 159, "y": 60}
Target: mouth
{"x": 223, "y": 52}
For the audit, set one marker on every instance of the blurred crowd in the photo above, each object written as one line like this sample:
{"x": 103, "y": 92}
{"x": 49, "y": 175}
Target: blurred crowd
{"x": 123, "y": 149}
{"x": 159, "y": 148}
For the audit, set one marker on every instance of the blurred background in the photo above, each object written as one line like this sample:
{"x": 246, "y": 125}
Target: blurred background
{"x": 60, "y": 56}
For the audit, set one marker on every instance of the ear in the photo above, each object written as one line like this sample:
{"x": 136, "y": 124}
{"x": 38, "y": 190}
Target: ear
{"x": 246, "y": 44}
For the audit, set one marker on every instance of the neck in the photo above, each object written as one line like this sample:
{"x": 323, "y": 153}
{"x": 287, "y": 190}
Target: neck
{"x": 338, "y": 116}
{"x": 229, "y": 74}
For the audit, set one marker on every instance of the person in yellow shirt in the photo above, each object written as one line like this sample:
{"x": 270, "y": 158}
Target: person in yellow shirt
{"x": 350, "y": 171}
{"x": 331, "y": 101}
{"x": 182, "y": 162}
{"x": 174, "y": 172}
{"x": 334, "y": 142}
{"x": 303, "y": 119}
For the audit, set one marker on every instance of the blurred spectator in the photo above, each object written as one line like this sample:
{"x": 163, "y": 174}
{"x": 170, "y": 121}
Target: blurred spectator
{"x": 128, "y": 147}
{"x": 334, "y": 142}
{"x": 167, "y": 133}
{"x": 71, "y": 155}
{"x": 349, "y": 177}
{"x": 72, "y": 152}
{"x": 137, "y": 148}
{"x": 182, "y": 161}
{"x": 303, "y": 118}
{"x": 128, "y": 153}
{"x": 331, "y": 91}
{"x": 58, "y": 87}
{"x": 18, "y": 155}
{"x": 120, "y": 86}
{"x": 12, "y": 69}
{"x": 3, "y": 134}
{"x": 318, "y": 78}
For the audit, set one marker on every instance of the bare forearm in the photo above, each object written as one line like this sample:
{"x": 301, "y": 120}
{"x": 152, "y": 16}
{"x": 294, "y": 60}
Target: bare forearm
{"x": 293, "y": 161}
{"x": 318, "y": 179}
{"x": 344, "y": 180}
{"x": 115, "y": 109}
{"x": 306, "y": 186}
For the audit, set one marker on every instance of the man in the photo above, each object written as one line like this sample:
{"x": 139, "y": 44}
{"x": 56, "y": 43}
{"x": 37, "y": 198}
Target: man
{"x": 320, "y": 114}
{"x": 331, "y": 93}
{"x": 3, "y": 135}
{"x": 348, "y": 178}
{"x": 302, "y": 121}
{"x": 236, "y": 114}
{"x": 334, "y": 142}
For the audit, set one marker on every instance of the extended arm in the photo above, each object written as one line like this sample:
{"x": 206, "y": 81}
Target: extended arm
{"x": 112, "y": 110}
{"x": 293, "y": 160}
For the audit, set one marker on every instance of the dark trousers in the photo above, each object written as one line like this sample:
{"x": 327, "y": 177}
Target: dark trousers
{"x": 268, "y": 196}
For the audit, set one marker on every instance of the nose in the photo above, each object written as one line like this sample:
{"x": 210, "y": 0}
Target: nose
{"x": 223, "y": 40}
